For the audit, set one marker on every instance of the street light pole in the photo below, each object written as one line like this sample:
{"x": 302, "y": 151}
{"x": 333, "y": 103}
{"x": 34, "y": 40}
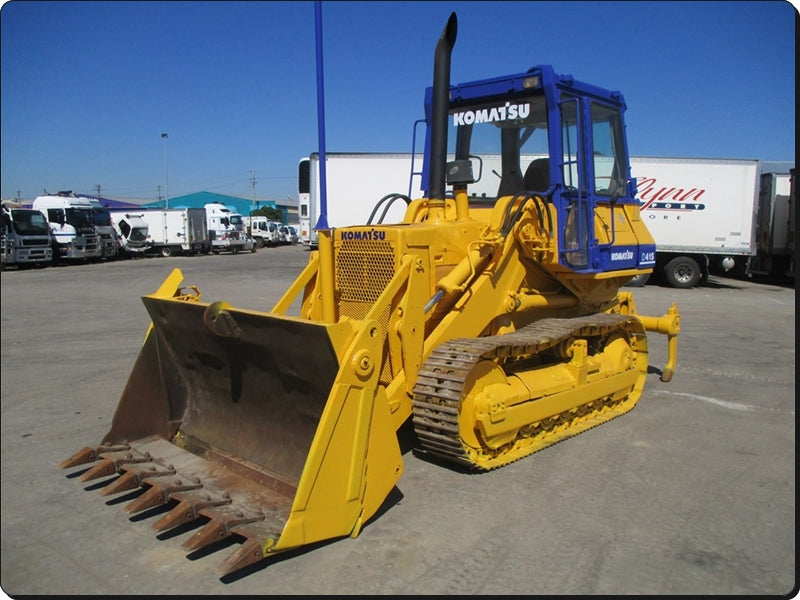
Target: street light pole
{"x": 164, "y": 137}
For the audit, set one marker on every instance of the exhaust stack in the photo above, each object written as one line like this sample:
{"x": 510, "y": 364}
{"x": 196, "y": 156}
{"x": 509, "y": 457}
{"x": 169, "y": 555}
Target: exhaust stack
{"x": 439, "y": 109}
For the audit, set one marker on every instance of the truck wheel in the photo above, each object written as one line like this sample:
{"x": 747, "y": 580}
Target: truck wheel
{"x": 639, "y": 280}
{"x": 682, "y": 272}
{"x": 166, "y": 251}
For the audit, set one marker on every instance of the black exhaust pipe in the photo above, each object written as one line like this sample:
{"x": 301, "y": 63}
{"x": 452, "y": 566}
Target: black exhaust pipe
{"x": 439, "y": 109}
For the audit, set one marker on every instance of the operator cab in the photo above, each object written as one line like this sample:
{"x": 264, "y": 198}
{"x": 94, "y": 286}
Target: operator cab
{"x": 539, "y": 133}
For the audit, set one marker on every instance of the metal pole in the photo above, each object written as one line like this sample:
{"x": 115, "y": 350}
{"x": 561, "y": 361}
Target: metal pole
{"x": 253, "y": 180}
{"x": 322, "y": 222}
{"x": 164, "y": 136}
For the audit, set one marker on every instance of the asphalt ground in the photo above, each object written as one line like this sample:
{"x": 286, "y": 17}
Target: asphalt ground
{"x": 692, "y": 492}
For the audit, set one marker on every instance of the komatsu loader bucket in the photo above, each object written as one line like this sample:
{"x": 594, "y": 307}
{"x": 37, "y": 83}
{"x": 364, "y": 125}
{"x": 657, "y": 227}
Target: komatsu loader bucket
{"x": 267, "y": 427}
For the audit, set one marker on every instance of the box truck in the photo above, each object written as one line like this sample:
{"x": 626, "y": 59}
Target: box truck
{"x": 172, "y": 231}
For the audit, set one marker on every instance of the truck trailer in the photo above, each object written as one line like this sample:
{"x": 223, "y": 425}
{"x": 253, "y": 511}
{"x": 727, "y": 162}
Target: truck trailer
{"x": 701, "y": 212}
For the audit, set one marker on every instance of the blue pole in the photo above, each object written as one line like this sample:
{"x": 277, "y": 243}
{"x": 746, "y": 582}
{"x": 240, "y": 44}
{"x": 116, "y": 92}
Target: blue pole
{"x": 322, "y": 222}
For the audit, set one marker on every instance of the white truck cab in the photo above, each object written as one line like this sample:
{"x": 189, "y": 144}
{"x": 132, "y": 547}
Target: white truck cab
{"x": 225, "y": 228}
{"x": 72, "y": 226}
{"x": 263, "y": 230}
{"x": 132, "y": 230}
{"x": 108, "y": 237}
{"x": 24, "y": 237}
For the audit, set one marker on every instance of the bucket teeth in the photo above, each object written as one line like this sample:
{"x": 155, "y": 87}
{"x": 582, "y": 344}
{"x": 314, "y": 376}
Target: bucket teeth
{"x": 260, "y": 536}
{"x": 223, "y": 520}
{"x": 133, "y": 476}
{"x": 111, "y": 462}
{"x": 188, "y": 509}
{"x": 249, "y": 553}
{"x": 232, "y": 504}
{"x": 89, "y": 455}
{"x": 160, "y": 491}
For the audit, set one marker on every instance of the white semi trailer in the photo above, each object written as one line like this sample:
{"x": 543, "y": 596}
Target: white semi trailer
{"x": 701, "y": 213}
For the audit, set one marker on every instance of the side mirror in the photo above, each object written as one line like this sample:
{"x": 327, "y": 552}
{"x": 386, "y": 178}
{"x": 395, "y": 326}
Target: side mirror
{"x": 459, "y": 172}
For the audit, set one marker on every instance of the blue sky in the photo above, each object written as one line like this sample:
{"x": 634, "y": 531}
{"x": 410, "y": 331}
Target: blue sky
{"x": 87, "y": 88}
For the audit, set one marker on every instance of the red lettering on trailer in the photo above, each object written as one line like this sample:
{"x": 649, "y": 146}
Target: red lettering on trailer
{"x": 649, "y": 192}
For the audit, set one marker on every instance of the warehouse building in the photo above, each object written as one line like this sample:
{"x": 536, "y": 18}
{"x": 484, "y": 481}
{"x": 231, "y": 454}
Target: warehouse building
{"x": 243, "y": 206}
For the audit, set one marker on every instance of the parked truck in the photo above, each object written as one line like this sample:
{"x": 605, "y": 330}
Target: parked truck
{"x": 132, "y": 229}
{"x": 24, "y": 237}
{"x": 263, "y": 230}
{"x": 701, "y": 212}
{"x": 110, "y": 245}
{"x": 72, "y": 226}
{"x": 225, "y": 228}
{"x": 774, "y": 232}
{"x": 172, "y": 231}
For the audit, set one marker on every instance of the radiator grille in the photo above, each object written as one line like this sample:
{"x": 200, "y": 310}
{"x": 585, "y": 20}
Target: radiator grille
{"x": 363, "y": 270}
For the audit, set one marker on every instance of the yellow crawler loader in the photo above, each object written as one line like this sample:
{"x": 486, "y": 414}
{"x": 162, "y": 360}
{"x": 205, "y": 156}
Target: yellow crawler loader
{"x": 491, "y": 318}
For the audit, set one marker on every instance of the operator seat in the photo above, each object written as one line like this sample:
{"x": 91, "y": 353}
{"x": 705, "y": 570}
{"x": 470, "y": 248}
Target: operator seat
{"x": 537, "y": 176}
